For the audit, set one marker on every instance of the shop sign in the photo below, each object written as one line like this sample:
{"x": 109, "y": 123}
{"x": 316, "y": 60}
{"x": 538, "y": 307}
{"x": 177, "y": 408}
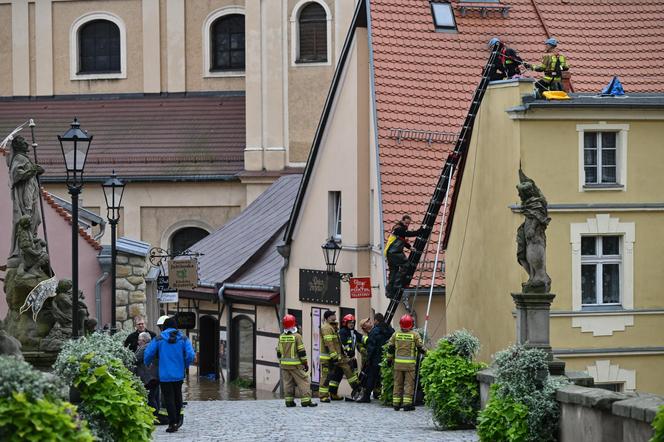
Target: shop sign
{"x": 360, "y": 287}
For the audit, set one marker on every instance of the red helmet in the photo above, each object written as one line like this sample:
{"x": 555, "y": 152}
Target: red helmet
{"x": 406, "y": 322}
{"x": 289, "y": 321}
{"x": 347, "y": 319}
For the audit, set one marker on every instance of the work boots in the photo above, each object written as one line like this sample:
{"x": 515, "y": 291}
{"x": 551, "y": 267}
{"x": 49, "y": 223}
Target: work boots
{"x": 290, "y": 404}
{"x": 309, "y": 404}
{"x": 335, "y": 397}
{"x": 366, "y": 397}
{"x": 408, "y": 408}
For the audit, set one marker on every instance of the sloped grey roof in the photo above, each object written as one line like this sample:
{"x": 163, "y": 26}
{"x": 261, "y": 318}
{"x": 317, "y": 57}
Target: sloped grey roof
{"x": 238, "y": 243}
{"x": 265, "y": 265}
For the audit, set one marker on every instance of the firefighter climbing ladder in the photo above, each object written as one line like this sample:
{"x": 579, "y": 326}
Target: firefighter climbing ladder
{"x": 442, "y": 188}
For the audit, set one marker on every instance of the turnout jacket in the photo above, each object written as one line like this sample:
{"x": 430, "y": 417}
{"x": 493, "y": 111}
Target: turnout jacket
{"x": 330, "y": 347}
{"x": 403, "y": 349}
{"x": 352, "y": 340}
{"x": 290, "y": 351}
{"x": 552, "y": 65}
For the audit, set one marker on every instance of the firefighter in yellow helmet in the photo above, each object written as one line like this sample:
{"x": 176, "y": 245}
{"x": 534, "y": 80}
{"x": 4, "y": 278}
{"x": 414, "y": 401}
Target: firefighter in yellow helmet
{"x": 402, "y": 351}
{"x": 294, "y": 365}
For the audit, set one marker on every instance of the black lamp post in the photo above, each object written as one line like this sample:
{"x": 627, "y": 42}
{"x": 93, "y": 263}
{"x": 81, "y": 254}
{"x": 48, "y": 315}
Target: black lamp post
{"x": 74, "y": 144}
{"x": 331, "y": 252}
{"x": 113, "y": 190}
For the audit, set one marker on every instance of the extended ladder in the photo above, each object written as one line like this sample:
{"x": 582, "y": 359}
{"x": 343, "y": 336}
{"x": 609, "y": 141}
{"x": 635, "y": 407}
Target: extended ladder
{"x": 453, "y": 158}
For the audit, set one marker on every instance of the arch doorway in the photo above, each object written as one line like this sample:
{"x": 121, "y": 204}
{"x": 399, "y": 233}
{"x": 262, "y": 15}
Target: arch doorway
{"x": 186, "y": 237}
{"x": 243, "y": 349}
{"x": 208, "y": 358}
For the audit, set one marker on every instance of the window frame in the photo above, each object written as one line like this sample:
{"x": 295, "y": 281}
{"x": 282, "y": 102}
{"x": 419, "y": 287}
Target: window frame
{"x": 334, "y": 215}
{"x": 295, "y": 34}
{"x": 74, "y": 47}
{"x": 621, "y": 131}
{"x": 207, "y": 43}
{"x": 443, "y": 28}
{"x": 599, "y": 260}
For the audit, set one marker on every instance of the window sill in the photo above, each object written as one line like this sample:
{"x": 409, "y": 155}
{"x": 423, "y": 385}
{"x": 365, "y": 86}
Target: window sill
{"x": 224, "y": 74}
{"x": 593, "y": 187}
{"x": 99, "y": 76}
{"x": 299, "y": 63}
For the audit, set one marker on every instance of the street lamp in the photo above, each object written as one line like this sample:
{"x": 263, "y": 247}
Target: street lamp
{"x": 74, "y": 144}
{"x": 113, "y": 190}
{"x": 331, "y": 252}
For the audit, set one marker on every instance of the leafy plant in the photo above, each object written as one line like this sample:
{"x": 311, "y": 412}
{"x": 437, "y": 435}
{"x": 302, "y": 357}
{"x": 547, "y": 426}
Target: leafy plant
{"x": 22, "y": 419}
{"x": 448, "y": 376}
{"x": 19, "y": 376}
{"x": 242, "y": 383}
{"x": 658, "y": 426}
{"x": 112, "y": 399}
{"x": 387, "y": 379}
{"x": 503, "y": 419}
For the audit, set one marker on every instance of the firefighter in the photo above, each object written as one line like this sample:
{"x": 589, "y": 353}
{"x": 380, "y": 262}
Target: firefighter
{"x": 396, "y": 258}
{"x": 403, "y": 348}
{"x": 294, "y": 365}
{"x": 553, "y": 64}
{"x": 338, "y": 363}
{"x": 351, "y": 339}
{"x": 507, "y": 61}
{"x": 328, "y": 352}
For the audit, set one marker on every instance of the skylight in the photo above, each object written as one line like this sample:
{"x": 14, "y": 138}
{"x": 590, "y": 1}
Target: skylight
{"x": 443, "y": 16}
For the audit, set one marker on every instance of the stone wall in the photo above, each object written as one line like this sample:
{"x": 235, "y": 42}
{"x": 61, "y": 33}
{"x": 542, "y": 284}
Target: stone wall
{"x": 130, "y": 295}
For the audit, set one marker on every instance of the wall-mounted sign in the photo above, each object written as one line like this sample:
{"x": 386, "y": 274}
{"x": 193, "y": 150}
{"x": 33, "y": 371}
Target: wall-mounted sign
{"x": 320, "y": 286}
{"x": 186, "y": 320}
{"x": 183, "y": 273}
{"x": 360, "y": 287}
{"x": 167, "y": 297}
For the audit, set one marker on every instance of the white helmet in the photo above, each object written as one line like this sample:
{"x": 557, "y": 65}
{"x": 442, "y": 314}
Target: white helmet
{"x": 162, "y": 319}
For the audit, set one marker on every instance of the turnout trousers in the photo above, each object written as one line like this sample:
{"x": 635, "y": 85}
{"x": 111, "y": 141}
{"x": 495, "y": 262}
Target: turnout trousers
{"x": 341, "y": 369}
{"x": 404, "y": 387}
{"x": 296, "y": 384}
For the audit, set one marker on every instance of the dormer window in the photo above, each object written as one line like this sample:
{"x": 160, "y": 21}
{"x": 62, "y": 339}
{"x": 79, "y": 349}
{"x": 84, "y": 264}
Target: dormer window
{"x": 443, "y": 16}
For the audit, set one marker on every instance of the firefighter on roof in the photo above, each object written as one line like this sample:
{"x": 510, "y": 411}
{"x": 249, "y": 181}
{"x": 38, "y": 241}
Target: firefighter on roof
{"x": 553, "y": 65}
{"x": 294, "y": 365}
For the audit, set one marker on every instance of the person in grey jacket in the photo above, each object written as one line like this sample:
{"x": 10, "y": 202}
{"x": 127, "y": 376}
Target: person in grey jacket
{"x": 149, "y": 374}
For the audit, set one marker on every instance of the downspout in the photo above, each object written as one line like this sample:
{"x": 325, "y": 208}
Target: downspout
{"x": 98, "y": 284}
{"x": 284, "y": 251}
{"x": 104, "y": 258}
{"x": 102, "y": 230}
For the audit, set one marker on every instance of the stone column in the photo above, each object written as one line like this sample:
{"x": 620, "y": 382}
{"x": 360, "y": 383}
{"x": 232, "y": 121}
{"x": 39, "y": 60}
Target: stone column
{"x": 130, "y": 298}
{"x": 532, "y": 325}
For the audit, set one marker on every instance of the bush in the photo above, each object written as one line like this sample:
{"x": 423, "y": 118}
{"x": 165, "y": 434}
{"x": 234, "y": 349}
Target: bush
{"x": 387, "y": 379}
{"x": 522, "y": 377}
{"x": 503, "y": 419}
{"x": 449, "y": 381}
{"x": 658, "y": 426}
{"x": 31, "y": 406}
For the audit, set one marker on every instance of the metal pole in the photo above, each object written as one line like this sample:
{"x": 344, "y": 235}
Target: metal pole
{"x": 41, "y": 200}
{"x": 114, "y": 256}
{"x": 74, "y": 192}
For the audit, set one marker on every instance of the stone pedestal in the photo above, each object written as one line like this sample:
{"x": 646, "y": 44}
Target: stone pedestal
{"x": 532, "y": 325}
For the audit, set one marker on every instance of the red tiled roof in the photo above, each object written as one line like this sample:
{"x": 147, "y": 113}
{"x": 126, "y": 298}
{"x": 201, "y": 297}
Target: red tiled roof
{"x": 425, "y": 79}
{"x": 67, "y": 216}
{"x": 139, "y": 137}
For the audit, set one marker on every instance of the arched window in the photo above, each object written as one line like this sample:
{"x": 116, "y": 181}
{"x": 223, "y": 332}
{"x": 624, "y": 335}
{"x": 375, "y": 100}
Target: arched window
{"x": 99, "y": 47}
{"x": 312, "y": 34}
{"x": 186, "y": 237}
{"x": 227, "y": 43}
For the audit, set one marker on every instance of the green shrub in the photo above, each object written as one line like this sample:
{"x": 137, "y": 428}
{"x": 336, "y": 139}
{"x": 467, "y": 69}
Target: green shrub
{"x": 387, "y": 379}
{"x": 658, "y": 426}
{"x": 449, "y": 381}
{"x": 503, "y": 419}
{"x": 19, "y": 376}
{"x": 522, "y": 376}
{"x": 112, "y": 399}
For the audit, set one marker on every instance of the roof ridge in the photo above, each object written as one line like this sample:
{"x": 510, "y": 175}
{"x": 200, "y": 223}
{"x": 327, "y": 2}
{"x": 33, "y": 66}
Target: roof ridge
{"x": 67, "y": 216}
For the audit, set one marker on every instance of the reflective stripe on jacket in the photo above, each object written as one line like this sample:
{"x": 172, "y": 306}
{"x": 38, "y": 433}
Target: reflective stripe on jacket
{"x": 290, "y": 350}
{"x": 552, "y": 65}
{"x": 404, "y": 346}
{"x": 330, "y": 348}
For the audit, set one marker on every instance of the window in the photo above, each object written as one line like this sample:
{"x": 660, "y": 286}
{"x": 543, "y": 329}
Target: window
{"x": 335, "y": 215}
{"x": 600, "y": 157}
{"x": 99, "y": 47}
{"x": 227, "y": 43}
{"x": 312, "y": 36}
{"x": 186, "y": 237}
{"x": 443, "y": 16}
{"x": 617, "y": 387}
{"x": 600, "y": 270}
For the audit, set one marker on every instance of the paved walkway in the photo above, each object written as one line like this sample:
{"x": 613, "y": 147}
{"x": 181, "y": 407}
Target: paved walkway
{"x": 270, "y": 420}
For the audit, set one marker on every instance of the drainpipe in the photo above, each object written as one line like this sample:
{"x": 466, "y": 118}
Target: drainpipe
{"x": 284, "y": 250}
{"x": 104, "y": 259}
{"x": 102, "y": 230}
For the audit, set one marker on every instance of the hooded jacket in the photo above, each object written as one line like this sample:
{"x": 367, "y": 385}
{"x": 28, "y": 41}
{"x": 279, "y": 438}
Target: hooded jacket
{"x": 175, "y": 354}
{"x": 378, "y": 336}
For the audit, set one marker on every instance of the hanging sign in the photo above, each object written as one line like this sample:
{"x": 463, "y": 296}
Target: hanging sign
{"x": 360, "y": 287}
{"x": 183, "y": 274}
{"x": 168, "y": 297}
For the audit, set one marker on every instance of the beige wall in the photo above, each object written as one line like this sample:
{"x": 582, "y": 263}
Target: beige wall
{"x": 480, "y": 258}
{"x": 6, "y": 49}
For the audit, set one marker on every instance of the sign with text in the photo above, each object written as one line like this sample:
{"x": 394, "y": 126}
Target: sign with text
{"x": 183, "y": 274}
{"x": 360, "y": 287}
{"x": 320, "y": 286}
{"x": 168, "y": 297}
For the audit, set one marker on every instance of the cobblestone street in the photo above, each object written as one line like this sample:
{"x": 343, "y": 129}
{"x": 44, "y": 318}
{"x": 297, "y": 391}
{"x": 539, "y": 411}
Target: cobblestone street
{"x": 269, "y": 420}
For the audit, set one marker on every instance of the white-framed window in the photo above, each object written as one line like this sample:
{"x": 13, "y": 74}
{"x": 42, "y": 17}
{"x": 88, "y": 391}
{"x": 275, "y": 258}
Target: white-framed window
{"x": 601, "y": 262}
{"x": 311, "y": 34}
{"x": 98, "y": 47}
{"x": 334, "y": 215}
{"x": 602, "y": 156}
{"x": 224, "y": 43}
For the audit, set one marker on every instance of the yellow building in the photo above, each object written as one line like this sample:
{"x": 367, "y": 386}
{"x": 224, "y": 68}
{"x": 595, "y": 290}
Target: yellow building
{"x": 598, "y": 162}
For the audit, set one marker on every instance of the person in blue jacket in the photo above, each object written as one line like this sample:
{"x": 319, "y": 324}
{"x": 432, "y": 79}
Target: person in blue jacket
{"x": 175, "y": 354}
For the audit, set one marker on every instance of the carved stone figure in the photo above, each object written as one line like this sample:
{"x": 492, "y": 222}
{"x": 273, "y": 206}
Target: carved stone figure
{"x": 531, "y": 236}
{"x": 25, "y": 193}
{"x": 32, "y": 251}
{"x": 61, "y": 307}
{"x": 9, "y": 345}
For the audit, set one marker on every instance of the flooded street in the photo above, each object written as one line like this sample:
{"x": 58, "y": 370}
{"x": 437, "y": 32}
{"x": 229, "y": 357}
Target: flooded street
{"x": 203, "y": 389}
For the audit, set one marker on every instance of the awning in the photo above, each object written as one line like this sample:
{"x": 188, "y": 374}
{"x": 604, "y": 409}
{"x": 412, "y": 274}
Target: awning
{"x": 257, "y": 297}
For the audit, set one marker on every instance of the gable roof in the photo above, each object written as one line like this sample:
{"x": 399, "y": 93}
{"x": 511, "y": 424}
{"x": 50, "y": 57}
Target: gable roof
{"x": 141, "y": 138}
{"x": 241, "y": 248}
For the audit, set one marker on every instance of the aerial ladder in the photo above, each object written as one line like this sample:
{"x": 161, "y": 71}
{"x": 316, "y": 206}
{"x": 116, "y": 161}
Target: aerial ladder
{"x": 442, "y": 188}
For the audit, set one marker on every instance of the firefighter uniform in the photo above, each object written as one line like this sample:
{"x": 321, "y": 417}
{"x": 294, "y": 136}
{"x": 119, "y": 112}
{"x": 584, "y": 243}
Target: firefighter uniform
{"x": 403, "y": 349}
{"x": 337, "y": 363}
{"x": 293, "y": 363}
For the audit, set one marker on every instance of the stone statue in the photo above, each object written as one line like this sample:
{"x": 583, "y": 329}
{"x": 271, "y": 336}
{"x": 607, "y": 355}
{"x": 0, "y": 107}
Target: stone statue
{"x": 32, "y": 251}
{"x": 60, "y": 310}
{"x": 531, "y": 236}
{"x": 25, "y": 193}
{"x": 9, "y": 345}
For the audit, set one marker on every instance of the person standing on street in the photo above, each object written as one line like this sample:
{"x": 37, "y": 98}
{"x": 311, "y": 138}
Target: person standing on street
{"x": 402, "y": 352}
{"x": 132, "y": 340}
{"x": 294, "y": 365}
{"x": 148, "y": 373}
{"x": 328, "y": 352}
{"x": 378, "y": 336}
{"x": 342, "y": 364}
{"x": 175, "y": 354}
